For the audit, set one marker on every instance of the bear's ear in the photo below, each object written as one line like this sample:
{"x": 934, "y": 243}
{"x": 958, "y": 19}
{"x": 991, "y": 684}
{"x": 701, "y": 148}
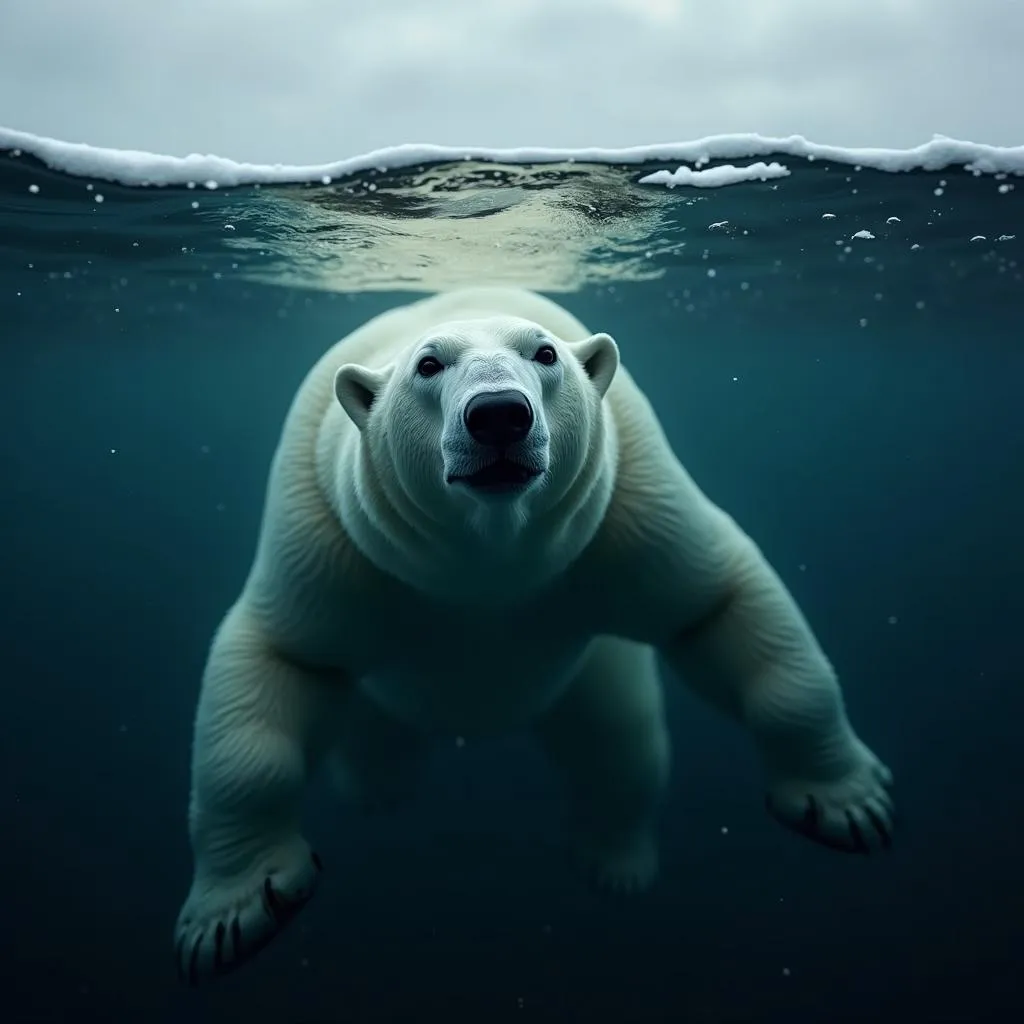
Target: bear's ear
{"x": 599, "y": 356}
{"x": 356, "y": 389}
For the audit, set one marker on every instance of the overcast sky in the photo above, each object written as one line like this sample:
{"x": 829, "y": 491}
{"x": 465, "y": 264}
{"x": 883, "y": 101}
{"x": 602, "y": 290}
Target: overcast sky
{"x": 310, "y": 81}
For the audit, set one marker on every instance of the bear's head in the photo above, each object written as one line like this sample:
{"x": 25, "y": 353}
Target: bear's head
{"x": 490, "y": 424}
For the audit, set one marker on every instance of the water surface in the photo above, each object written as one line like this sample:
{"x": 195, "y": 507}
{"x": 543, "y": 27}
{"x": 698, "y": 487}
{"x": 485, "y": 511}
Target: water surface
{"x": 836, "y": 354}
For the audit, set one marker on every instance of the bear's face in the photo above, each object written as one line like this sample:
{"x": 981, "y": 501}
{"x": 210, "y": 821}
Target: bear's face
{"x": 481, "y": 416}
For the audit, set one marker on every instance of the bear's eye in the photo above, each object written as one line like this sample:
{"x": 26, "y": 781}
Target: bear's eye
{"x": 546, "y": 355}
{"x": 428, "y": 366}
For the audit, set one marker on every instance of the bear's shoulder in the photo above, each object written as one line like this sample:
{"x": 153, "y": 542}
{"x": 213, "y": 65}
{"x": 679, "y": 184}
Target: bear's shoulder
{"x": 663, "y": 548}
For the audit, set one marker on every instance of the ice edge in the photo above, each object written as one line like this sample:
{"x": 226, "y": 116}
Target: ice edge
{"x": 131, "y": 167}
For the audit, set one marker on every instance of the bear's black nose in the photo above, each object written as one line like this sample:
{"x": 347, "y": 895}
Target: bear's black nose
{"x": 498, "y": 418}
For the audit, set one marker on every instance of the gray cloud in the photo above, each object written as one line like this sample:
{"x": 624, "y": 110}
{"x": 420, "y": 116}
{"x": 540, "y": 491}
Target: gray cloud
{"x": 308, "y": 81}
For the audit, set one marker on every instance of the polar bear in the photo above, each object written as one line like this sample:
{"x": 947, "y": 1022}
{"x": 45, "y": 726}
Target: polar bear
{"x": 475, "y": 523}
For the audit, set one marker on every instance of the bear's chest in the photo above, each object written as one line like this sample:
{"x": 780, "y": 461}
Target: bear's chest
{"x": 471, "y": 673}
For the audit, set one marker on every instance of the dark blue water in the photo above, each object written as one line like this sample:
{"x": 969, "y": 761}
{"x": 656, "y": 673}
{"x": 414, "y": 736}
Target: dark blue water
{"x": 855, "y": 403}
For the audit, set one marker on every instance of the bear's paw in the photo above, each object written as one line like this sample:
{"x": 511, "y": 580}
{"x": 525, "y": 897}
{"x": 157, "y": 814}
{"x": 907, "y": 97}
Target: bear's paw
{"x": 225, "y": 922}
{"x": 853, "y": 813}
{"x": 623, "y": 867}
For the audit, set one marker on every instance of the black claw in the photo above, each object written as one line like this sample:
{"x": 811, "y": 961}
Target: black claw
{"x": 812, "y": 814}
{"x": 860, "y": 844}
{"x": 809, "y": 826}
{"x": 317, "y": 862}
{"x": 228, "y": 939}
{"x": 880, "y": 827}
{"x": 218, "y": 946}
{"x": 271, "y": 901}
{"x": 193, "y": 962}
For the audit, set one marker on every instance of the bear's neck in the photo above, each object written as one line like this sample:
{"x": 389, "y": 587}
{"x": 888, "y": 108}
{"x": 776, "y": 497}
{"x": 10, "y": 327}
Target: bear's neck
{"x": 494, "y": 553}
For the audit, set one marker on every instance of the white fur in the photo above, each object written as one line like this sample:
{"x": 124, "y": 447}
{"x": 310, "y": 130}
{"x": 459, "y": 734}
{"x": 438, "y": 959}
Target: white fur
{"x": 387, "y": 602}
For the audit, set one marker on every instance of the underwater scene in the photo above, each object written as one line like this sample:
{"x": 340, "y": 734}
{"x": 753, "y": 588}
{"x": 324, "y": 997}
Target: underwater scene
{"x": 833, "y": 343}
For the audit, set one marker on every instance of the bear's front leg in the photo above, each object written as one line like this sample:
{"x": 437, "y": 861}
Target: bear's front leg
{"x": 260, "y": 726}
{"x": 754, "y": 656}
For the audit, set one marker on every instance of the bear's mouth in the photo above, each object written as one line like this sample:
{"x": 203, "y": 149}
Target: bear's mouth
{"x": 500, "y": 477}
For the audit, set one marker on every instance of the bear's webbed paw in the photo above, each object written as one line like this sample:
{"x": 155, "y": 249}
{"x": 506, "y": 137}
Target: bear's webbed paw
{"x": 853, "y": 813}
{"x": 226, "y": 922}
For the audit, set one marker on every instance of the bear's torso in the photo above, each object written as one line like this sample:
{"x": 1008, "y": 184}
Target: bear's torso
{"x": 468, "y": 666}
{"x": 440, "y": 667}
{"x": 472, "y": 674}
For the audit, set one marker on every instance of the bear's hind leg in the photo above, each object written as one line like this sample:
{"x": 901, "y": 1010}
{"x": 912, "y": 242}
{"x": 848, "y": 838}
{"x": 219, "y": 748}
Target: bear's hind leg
{"x": 260, "y": 725}
{"x": 607, "y": 736}
{"x": 377, "y": 760}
